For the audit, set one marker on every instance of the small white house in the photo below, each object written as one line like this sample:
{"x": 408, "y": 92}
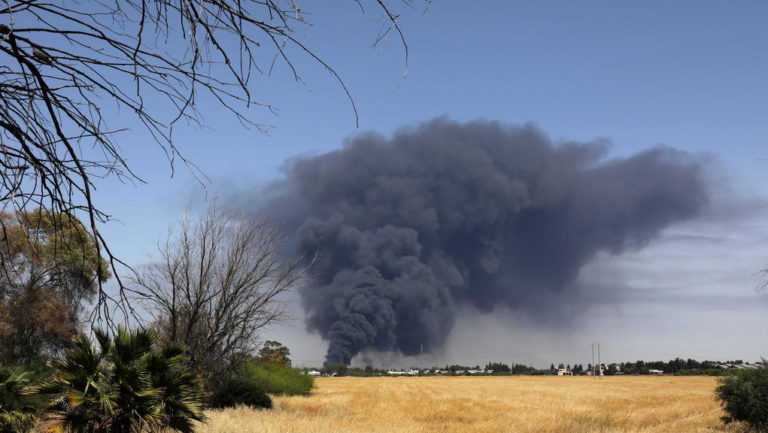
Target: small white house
{"x": 656, "y": 372}
{"x": 313, "y": 373}
{"x": 564, "y": 372}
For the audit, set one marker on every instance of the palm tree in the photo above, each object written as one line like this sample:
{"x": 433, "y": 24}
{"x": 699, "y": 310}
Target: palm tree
{"x": 17, "y": 413}
{"x": 124, "y": 385}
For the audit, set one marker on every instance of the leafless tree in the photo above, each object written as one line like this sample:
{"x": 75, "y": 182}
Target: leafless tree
{"x": 69, "y": 66}
{"x": 217, "y": 283}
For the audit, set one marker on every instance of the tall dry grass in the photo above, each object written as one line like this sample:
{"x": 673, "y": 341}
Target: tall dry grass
{"x": 515, "y": 404}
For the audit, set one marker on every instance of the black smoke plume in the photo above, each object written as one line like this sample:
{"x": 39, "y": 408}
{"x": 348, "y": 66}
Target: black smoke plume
{"x": 406, "y": 229}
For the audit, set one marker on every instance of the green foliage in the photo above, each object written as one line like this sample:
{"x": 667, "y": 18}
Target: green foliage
{"x": 498, "y": 367}
{"x": 62, "y": 240}
{"x": 126, "y": 384}
{"x": 336, "y": 370}
{"x": 278, "y": 379}
{"x": 358, "y": 372}
{"x": 240, "y": 392}
{"x": 744, "y": 397}
{"x": 274, "y": 352}
{"x": 50, "y": 266}
{"x": 17, "y": 406}
{"x": 704, "y": 372}
{"x": 253, "y": 380}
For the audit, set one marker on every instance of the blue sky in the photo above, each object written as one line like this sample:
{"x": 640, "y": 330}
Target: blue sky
{"x": 689, "y": 74}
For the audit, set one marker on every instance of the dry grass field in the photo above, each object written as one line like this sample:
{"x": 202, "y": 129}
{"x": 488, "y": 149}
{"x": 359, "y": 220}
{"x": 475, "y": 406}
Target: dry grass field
{"x": 543, "y": 404}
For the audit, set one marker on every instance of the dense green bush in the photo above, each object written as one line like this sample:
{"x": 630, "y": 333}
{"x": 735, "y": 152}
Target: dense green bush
{"x": 744, "y": 397}
{"x": 278, "y": 379}
{"x": 17, "y": 408}
{"x": 240, "y": 392}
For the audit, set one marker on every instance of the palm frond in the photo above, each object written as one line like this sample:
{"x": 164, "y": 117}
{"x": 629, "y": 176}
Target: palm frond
{"x": 128, "y": 384}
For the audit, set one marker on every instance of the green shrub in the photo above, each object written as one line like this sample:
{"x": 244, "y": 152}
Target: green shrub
{"x": 17, "y": 409}
{"x": 744, "y": 397}
{"x": 278, "y": 379}
{"x": 240, "y": 392}
{"x": 125, "y": 383}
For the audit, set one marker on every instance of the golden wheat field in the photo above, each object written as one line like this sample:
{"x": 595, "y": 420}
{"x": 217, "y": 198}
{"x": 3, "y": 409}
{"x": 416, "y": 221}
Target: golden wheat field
{"x": 527, "y": 404}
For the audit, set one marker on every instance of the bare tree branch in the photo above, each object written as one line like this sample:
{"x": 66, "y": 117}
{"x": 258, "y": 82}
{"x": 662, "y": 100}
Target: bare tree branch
{"x": 67, "y": 65}
{"x": 216, "y": 285}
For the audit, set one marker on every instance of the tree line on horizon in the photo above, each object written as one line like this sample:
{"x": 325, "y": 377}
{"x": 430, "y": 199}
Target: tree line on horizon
{"x": 677, "y": 366}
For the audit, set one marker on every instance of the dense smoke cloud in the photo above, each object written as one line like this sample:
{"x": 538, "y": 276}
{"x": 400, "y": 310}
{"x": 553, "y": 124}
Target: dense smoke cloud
{"x": 409, "y": 228}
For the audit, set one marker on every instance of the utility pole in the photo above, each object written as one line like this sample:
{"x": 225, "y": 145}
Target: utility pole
{"x": 421, "y": 358}
{"x": 598, "y": 359}
{"x": 593, "y": 360}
